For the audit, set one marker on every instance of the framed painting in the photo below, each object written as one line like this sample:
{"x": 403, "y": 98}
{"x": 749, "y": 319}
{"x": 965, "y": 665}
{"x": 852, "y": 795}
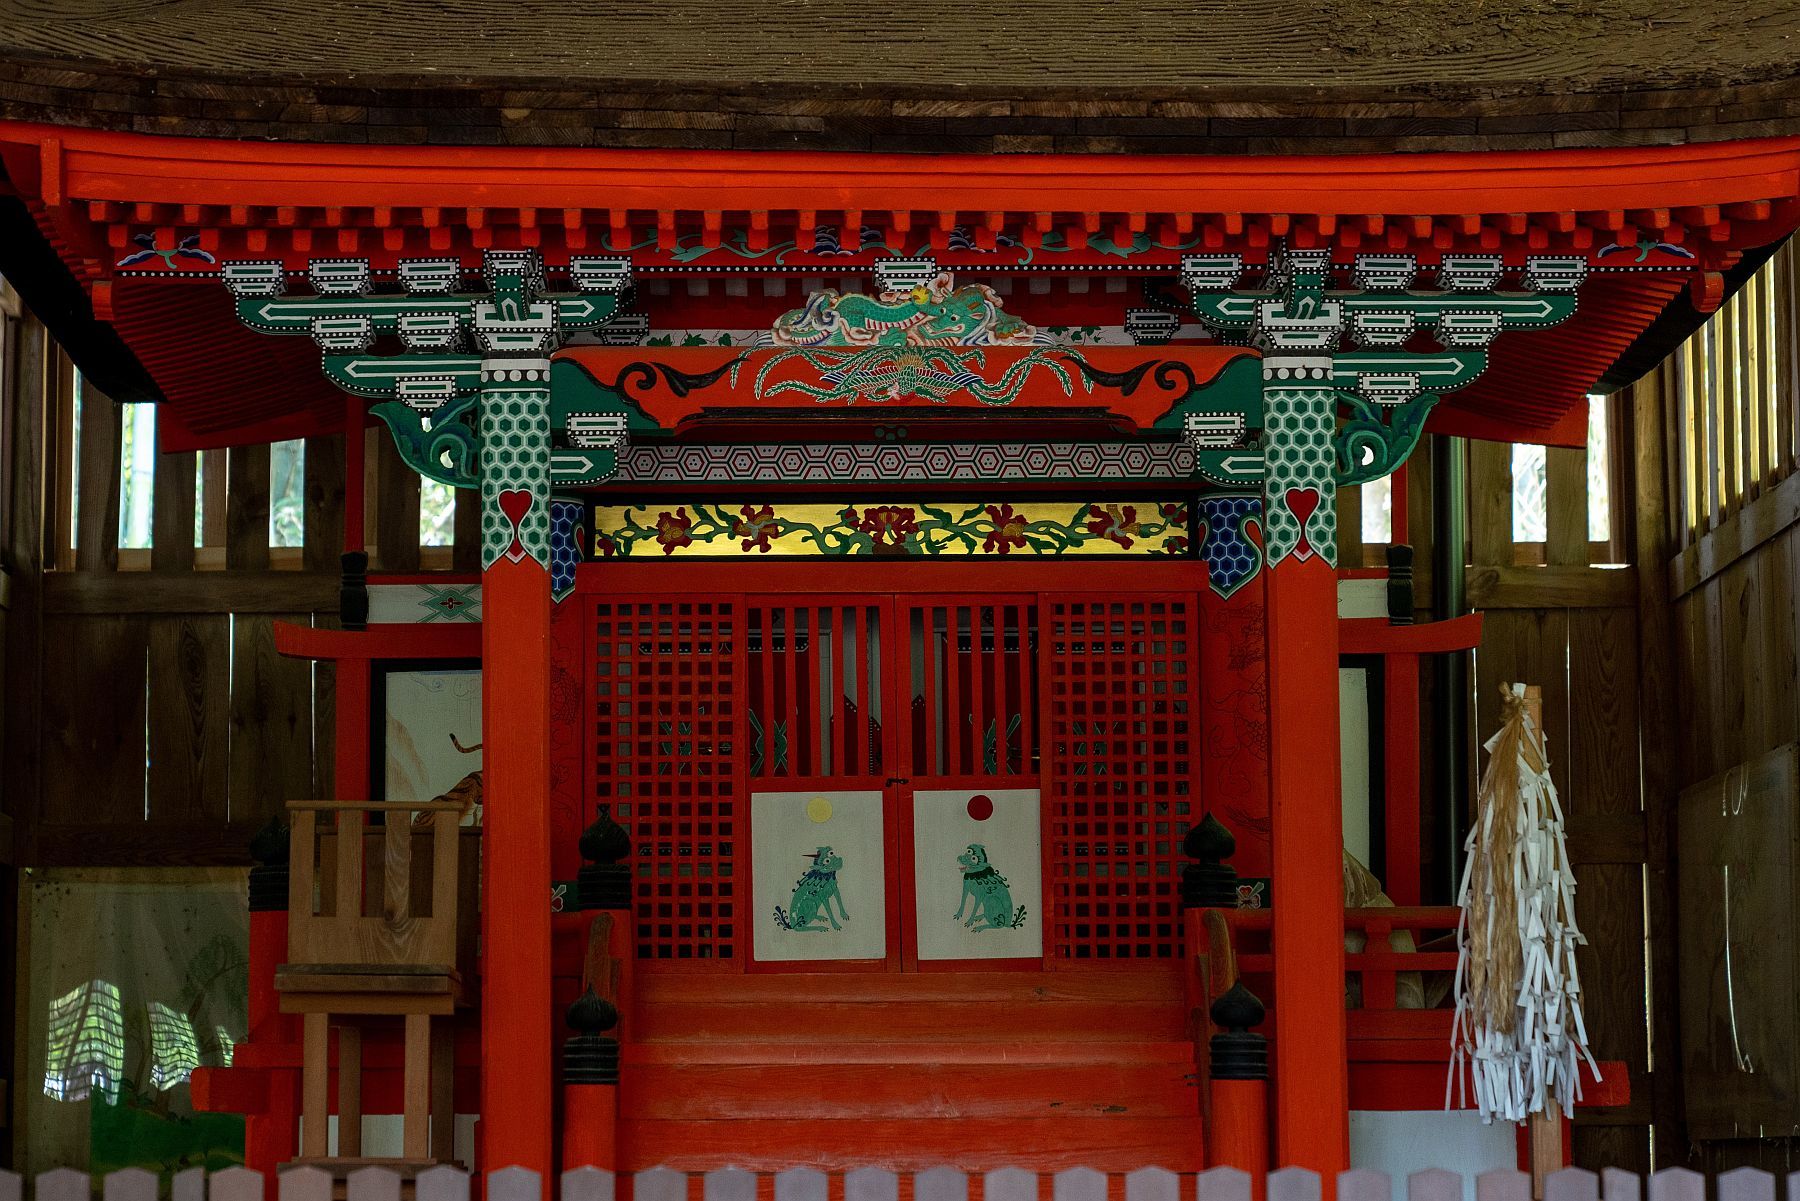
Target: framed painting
{"x": 978, "y": 879}
{"x": 426, "y": 743}
{"x": 818, "y": 876}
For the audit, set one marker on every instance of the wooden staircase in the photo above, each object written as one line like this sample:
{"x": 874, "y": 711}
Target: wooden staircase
{"x": 1044, "y": 1070}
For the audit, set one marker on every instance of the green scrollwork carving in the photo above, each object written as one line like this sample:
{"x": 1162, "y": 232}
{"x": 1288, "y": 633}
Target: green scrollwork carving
{"x": 441, "y": 447}
{"x": 1374, "y": 440}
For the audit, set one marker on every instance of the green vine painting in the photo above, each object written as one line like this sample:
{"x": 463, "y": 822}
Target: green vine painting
{"x": 952, "y": 528}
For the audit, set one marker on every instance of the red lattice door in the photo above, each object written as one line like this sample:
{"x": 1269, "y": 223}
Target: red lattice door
{"x": 820, "y": 738}
{"x": 1122, "y": 747}
{"x": 970, "y": 802}
{"x": 668, "y": 707}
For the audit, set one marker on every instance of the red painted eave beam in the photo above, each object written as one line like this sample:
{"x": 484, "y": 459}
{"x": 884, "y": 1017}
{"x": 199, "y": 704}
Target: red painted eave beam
{"x": 1378, "y": 636}
{"x": 395, "y": 641}
{"x": 57, "y": 165}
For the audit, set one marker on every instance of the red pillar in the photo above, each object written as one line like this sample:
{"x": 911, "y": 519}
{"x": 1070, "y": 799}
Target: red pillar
{"x": 1312, "y": 1090}
{"x": 515, "y": 913}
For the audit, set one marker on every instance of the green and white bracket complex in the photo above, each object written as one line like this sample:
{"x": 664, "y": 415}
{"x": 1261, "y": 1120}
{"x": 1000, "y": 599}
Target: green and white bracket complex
{"x": 1383, "y": 390}
{"x": 463, "y": 379}
{"x": 467, "y": 396}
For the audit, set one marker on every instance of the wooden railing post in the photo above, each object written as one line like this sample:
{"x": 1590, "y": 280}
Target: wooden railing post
{"x": 1207, "y": 883}
{"x": 591, "y": 1055}
{"x": 591, "y": 1084}
{"x": 1238, "y": 1059}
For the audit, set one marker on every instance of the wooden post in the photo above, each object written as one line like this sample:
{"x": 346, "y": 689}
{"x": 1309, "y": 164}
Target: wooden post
{"x": 1312, "y": 1079}
{"x": 516, "y": 1004}
{"x": 591, "y": 1055}
{"x": 1239, "y": 1088}
{"x": 415, "y": 1119}
{"x": 1312, "y": 1085}
{"x": 349, "y": 1090}
{"x": 515, "y": 912}
{"x": 1545, "y": 1129}
{"x": 315, "y": 1074}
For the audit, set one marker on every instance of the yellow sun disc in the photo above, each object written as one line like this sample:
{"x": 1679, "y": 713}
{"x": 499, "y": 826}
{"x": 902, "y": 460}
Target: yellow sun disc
{"x": 818, "y": 809}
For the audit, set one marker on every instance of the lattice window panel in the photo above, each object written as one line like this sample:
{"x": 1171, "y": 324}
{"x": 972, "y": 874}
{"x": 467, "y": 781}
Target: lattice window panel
{"x": 973, "y": 686}
{"x": 665, "y": 738}
{"x": 813, "y": 689}
{"x": 1122, "y": 732}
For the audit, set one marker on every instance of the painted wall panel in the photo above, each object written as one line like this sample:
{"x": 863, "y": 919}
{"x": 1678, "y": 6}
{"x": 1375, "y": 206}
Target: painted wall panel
{"x": 978, "y": 878}
{"x": 819, "y": 882}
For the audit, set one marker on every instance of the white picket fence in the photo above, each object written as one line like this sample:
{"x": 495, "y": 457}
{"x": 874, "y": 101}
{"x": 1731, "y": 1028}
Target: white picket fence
{"x": 876, "y": 1184}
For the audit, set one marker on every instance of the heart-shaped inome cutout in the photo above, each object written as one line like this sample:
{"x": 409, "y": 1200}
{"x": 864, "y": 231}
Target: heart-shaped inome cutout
{"x": 515, "y": 503}
{"x": 1304, "y": 502}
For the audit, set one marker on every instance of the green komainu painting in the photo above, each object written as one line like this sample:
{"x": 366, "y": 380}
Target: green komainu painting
{"x": 985, "y": 894}
{"x": 814, "y": 892}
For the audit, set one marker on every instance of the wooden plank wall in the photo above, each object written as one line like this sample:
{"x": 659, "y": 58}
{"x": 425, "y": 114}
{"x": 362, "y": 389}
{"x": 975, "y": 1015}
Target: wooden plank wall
{"x": 1728, "y": 573}
{"x": 24, "y": 350}
{"x": 167, "y": 728}
{"x": 1555, "y": 619}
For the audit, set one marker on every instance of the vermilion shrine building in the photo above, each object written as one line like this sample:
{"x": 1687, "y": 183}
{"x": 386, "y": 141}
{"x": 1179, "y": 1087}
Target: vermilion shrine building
{"x": 938, "y": 530}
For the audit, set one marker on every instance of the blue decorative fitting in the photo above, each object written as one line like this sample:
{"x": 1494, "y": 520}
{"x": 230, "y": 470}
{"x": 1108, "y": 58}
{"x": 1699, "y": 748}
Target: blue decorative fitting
{"x": 565, "y": 545}
{"x": 1231, "y": 557}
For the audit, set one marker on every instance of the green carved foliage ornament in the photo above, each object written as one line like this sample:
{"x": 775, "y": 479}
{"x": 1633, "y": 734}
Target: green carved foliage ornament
{"x": 441, "y": 445}
{"x": 1372, "y": 444}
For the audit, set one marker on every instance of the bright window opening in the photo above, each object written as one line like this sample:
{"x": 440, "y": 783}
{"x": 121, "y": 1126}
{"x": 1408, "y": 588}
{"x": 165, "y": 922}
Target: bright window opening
{"x": 437, "y": 513}
{"x": 1378, "y": 511}
{"x": 1530, "y": 513}
{"x": 1599, "y": 472}
{"x": 137, "y": 474}
{"x": 287, "y": 493}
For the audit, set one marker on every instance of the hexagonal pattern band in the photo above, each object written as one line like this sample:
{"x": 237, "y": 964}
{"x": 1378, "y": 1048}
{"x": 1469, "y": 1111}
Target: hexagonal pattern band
{"x": 514, "y": 425}
{"x": 1299, "y": 490}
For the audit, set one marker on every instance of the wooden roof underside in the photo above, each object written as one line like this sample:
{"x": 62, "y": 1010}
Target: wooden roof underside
{"x": 1217, "y": 77}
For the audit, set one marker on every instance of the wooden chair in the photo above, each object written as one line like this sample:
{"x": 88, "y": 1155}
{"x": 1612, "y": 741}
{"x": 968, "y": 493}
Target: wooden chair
{"x": 375, "y": 933}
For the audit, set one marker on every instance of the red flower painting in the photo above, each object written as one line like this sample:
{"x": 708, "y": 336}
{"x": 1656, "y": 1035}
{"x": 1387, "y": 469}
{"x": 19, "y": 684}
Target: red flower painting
{"x": 889, "y": 525}
{"x": 672, "y": 530}
{"x": 1008, "y": 532}
{"x": 605, "y": 545}
{"x": 756, "y": 527}
{"x": 1120, "y": 525}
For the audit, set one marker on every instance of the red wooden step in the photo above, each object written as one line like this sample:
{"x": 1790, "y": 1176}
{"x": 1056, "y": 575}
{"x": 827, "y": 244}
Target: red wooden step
{"x": 877, "y": 1051}
{"x": 952, "y": 1090}
{"x": 1125, "y": 983}
{"x": 1109, "y": 1143}
{"x": 804, "y": 1020}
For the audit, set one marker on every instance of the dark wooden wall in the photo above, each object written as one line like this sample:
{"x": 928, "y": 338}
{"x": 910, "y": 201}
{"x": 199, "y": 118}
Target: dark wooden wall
{"x": 1728, "y": 578}
{"x": 150, "y": 720}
